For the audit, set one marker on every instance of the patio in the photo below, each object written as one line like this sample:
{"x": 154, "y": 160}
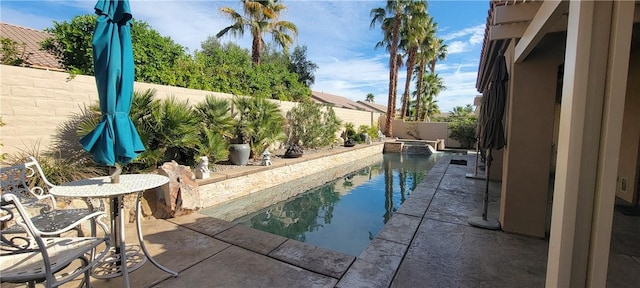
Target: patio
{"x": 427, "y": 243}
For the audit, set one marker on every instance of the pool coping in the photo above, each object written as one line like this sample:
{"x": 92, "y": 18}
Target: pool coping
{"x": 378, "y": 264}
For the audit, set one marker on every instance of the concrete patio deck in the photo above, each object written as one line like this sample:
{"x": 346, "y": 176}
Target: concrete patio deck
{"x": 427, "y": 243}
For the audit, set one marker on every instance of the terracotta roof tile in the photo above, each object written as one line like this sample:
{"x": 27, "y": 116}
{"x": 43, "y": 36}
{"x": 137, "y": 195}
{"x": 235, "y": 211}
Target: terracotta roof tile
{"x": 32, "y": 39}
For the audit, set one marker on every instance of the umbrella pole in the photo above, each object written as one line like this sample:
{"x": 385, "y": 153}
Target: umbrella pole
{"x": 483, "y": 222}
{"x": 486, "y": 187}
{"x": 475, "y": 170}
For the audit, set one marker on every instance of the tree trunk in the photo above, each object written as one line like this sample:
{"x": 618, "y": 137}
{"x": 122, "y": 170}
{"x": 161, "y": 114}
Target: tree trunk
{"x": 256, "y": 47}
{"x": 393, "y": 73}
{"x": 419, "y": 83}
{"x": 411, "y": 62}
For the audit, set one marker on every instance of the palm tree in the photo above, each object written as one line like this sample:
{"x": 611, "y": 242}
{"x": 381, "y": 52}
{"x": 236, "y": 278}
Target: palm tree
{"x": 438, "y": 52}
{"x": 424, "y": 56}
{"x": 370, "y": 98}
{"x": 432, "y": 85}
{"x": 261, "y": 17}
{"x": 391, "y": 27}
{"x": 414, "y": 30}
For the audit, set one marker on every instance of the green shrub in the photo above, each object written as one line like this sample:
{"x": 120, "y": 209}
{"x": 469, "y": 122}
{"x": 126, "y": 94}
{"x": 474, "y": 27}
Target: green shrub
{"x": 216, "y": 124}
{"x": 311, "y": 125}
{"x": 463, "y": 123}
{"x": 259, "y": 122}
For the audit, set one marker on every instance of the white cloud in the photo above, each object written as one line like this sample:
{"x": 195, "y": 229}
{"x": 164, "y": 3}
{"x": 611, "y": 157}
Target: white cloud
{"x": 460, "y": 88}
{"x": 473, "y": 32}
{"x": 457, "y": 47}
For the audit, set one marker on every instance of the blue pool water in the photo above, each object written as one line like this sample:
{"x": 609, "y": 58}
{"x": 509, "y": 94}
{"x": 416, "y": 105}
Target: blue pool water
{"x": 345, "y": 214}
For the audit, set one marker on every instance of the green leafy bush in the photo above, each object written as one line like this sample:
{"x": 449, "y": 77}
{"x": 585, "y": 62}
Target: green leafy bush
{"x": 463, "y": 123}
{"x": 13, "y": 53}
{"x": 259, "y": 122}
{"x": 311, "y": 125}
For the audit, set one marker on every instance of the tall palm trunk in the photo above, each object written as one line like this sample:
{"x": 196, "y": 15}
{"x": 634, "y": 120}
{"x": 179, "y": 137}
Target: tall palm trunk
{"x": 256, "y": 48}
{"x": 411, "y": 62}
{"x": 419, "y": 82}
{"x": 432, "y": 66}
{"x": 393, "y": 72}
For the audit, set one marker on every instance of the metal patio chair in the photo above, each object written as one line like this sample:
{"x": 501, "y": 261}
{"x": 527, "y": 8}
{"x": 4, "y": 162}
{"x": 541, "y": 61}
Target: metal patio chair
{"x": 28, "y": 182}
{"x": 26, "y": 255}
{"x": 32, "y": 258}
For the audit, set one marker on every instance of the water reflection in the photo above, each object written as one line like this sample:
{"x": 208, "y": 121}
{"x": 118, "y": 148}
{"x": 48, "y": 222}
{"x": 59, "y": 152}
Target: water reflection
{"x": 345, "y": 214}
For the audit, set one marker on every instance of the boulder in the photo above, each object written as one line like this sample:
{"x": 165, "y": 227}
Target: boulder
{"x": 180, "y": 196}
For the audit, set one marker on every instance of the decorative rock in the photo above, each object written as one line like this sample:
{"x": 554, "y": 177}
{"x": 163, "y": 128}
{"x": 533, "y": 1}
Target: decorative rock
{"x": 181, "y": 195}
{"x": 367, "y": 139}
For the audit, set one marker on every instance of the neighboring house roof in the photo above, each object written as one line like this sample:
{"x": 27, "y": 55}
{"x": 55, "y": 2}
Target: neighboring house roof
{"x": 376, "y": 107}
{"x": 31, "y": 38}
{"x": 342, "y": 102}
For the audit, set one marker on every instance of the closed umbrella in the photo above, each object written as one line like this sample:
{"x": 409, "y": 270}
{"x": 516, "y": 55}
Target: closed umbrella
{"x": 115, "y": 139}
{"x": 492, "y": 131}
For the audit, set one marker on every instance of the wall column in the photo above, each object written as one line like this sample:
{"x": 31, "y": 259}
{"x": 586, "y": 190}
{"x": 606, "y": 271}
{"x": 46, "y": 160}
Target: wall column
{"x": 529, "y": 130}
{"x": 596, "y": 66}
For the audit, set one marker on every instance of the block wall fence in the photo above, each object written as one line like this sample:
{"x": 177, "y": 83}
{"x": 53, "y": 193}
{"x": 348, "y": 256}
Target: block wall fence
{"x": 34, "y": 103}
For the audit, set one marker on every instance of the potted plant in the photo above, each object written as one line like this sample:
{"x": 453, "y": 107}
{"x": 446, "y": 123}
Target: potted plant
{"x": 239, "y": 148}
{"x": 259, "y": 125}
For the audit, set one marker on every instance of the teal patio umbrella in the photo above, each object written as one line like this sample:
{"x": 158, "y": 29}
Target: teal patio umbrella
{"x": 115, "y": 139}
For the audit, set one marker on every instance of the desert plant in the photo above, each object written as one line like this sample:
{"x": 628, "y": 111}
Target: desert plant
{"x": 259, "y": 123}
{"x": 349, "y": 131}
{"x": 371, "y": 131}
{"x": 175, "y": 131}
{"x": 168, "y": 129}
{"x": 311, "y": 127}
{"x": 462, "y": 124}
{"x": 216, "y": 125}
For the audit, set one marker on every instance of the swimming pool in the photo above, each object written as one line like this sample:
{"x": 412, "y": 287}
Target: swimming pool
{"x": 344, "y": 214}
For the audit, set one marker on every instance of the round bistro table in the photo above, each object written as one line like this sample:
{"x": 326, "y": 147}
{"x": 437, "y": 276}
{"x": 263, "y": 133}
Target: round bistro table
{"x": 101, "y": 187}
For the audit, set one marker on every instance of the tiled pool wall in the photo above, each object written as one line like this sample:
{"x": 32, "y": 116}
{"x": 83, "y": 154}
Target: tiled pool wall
{"x": 247, "y": 204}
{"x": 215, "y": 193}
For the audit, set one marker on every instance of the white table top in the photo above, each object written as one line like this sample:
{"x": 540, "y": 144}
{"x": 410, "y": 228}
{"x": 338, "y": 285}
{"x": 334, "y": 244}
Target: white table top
{"x": 102, "y": 186}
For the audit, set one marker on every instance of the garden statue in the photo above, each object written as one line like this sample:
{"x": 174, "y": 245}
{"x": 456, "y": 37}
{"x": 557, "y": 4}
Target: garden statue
{"x": 202, "y": 171}
{"x": 380, "y": 136}
{"x": 266, "y": 158}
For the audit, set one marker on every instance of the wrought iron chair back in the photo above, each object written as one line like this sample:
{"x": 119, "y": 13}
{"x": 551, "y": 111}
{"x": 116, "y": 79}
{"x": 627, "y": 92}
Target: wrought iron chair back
{"x": 29, "y": 257}
{"x": 30, "y": 250}
{"x": 28, "y": 182}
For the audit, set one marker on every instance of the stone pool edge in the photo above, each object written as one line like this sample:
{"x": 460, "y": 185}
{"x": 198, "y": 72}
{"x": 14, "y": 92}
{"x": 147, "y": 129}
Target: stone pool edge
{"x": 377, "y": 265}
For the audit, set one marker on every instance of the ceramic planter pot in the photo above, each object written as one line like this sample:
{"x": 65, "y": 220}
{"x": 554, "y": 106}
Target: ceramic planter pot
{"x": 239, "y": 154}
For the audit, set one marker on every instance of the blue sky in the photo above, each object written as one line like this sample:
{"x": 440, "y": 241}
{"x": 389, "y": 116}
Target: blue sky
{"x": 336, "y": 33}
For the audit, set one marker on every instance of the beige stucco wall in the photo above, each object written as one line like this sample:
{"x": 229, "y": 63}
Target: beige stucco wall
{"x": 529, "y": 129}
{"x": 422, "y": 131}
{"x": 33, "y": 103}
{"x": 628, "y": 164}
